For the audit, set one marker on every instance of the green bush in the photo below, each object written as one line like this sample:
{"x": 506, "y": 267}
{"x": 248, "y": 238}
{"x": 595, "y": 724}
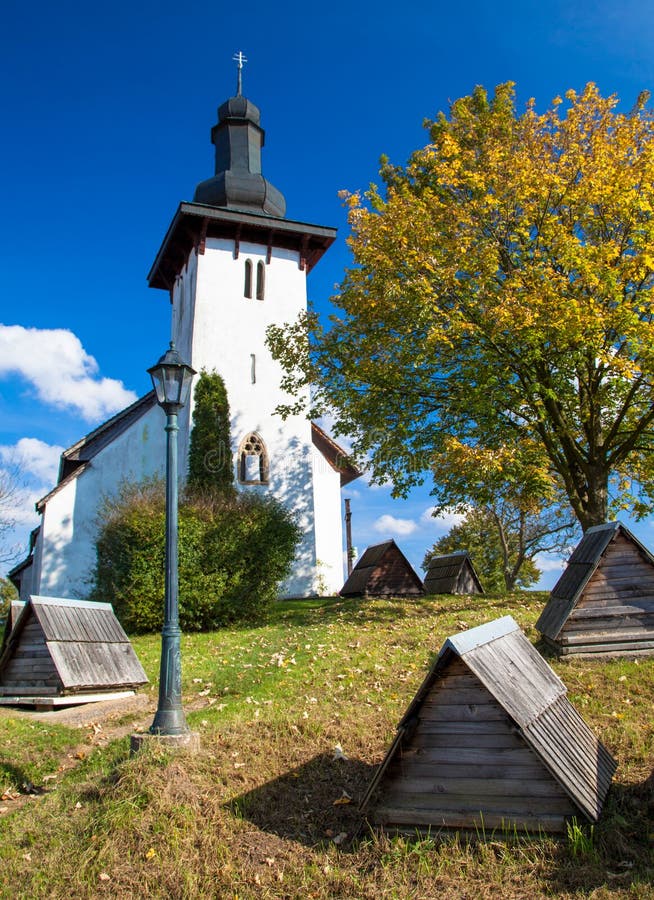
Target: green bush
{"x": 7, "y": 593}
{"x": 210, "y": 466}
{"x": 233, "y": 553}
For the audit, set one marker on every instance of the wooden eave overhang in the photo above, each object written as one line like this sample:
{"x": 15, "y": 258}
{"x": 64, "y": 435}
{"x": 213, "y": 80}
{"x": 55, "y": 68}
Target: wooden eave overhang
{"x": 335, "y": 455}
{"x": 91, "y": 444}
{"x": 194, "y": 222}
{"x": 76, "y": 472}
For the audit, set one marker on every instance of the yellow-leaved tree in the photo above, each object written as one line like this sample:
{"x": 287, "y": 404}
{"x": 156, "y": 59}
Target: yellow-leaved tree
{"x": 501, "y": 298}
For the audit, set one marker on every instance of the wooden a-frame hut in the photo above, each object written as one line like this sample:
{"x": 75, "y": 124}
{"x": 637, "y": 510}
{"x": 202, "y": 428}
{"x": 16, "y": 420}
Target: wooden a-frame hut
{"x": 383, "y": 571}
{"x": 66, "y": 651}
{"x": 603, "y": 603}
{"x": 490, "y": 741}
{"x": 453, "y": 573}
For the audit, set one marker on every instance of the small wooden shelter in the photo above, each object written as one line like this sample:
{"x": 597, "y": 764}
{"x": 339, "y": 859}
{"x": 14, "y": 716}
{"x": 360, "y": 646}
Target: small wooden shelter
{"x": 452, "y": 574}
{"x": 490, "y": 741}
{"x": 603, "y": 603}
{"x": 383, "y": 571}
{"x": 60, "y": 652}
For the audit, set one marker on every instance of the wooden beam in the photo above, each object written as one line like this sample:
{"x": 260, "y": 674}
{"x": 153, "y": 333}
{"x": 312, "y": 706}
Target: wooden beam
{"x": 271, "y": 235}
{"x": 202, "y": 241}
{"x": 303, "y": 252}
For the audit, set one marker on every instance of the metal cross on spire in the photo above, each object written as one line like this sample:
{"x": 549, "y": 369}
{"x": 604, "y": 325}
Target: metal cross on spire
{"x": 240, "y": 59}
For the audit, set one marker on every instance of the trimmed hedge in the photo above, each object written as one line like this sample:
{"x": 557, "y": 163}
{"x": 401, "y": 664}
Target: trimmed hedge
{"x": 233, "y": 553}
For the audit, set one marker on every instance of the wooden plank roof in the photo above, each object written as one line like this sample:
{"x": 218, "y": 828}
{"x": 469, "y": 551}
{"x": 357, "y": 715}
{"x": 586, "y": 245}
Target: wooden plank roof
{"x": 78, "y": 620}
{"x": 581, "y": 567}
{"x": 357, "y": 581}
{"x": 534, "y": 697}
{"x": 372, "y": 557}
{"x": 85, "y": 640}
{"x": 442, "y": 572}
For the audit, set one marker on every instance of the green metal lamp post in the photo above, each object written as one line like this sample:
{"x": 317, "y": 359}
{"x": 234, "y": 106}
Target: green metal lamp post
{"x": 172, "y": 382}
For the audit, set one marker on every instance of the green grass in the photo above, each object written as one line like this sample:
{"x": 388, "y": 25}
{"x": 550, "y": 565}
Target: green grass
{"x": 253, "y": 815}
{"x": 31, "y": 752}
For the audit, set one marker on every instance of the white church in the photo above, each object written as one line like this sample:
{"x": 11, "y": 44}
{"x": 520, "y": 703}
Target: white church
{"x": 232, "y": 265}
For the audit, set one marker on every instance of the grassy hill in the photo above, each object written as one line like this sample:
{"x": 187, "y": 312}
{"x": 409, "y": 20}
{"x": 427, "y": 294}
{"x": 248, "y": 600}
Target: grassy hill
{"x": 262, "y": 811}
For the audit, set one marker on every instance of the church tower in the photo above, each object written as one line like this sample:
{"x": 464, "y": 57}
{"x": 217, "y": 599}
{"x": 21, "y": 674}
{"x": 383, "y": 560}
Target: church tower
{"x": 233, "y": 265}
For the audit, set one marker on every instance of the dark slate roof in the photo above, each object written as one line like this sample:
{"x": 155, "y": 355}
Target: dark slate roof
{"x": 87, "y": 643}
{"x": 357, "y": 582}
{"x": 76, "y": 458}
{"x": 442, "y": 572}
{"x": 533, "y": 696}
{"x": 238, "y": 182}
{"x": 335, "y": 455}
{"x": 581, "y": 566}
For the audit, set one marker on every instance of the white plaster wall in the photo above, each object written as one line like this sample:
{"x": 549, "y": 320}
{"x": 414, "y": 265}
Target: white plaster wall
{"x": 216, "y": 327}
{"x": 329, "y": 525}
{"x": 69, "y": 527}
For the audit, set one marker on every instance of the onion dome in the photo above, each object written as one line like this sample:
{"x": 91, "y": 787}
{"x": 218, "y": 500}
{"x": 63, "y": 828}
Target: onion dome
{"x": 238, "y": 183}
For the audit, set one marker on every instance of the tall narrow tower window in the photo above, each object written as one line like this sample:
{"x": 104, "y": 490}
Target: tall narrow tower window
{"x": 253, "y": 368}
{"x": 252, "y": 460}
{"x": 261, "y": 279}
{"x": 247, "y": 290}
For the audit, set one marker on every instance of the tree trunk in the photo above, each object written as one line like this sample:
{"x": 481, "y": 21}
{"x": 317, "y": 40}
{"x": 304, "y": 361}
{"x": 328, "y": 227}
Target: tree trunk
{"x": 594, "y": 507}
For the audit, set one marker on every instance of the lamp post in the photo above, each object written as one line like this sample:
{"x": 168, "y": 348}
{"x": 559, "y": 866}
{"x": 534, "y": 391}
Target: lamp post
{"x": 172, "y": 382}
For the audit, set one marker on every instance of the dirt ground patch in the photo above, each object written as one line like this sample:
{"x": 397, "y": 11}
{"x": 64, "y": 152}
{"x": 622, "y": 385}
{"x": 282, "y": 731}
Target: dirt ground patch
{"x": 106, "y": 713}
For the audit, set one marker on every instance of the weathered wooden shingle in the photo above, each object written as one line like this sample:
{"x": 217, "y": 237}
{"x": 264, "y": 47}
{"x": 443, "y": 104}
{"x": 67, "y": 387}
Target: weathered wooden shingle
{"x": 59, "y": 646}
{"x": 383, "y": 571}
{"x": 490, "y": 740}
{"x": 76, "y": 620}
{"x": 604, "y": 601}
{"x": 452, "y": 573}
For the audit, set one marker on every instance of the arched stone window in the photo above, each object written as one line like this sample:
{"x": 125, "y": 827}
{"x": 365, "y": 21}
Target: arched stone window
{"x": 247, "y": 290}
{"x": 261, "y": 280}
{"x": 253, "y": 460}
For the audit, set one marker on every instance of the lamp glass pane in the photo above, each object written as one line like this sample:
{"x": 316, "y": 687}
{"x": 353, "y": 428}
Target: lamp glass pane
{"x": 157, "y": 383}
{"x": 185, "y": 387}
{"x": 173, "y": 380}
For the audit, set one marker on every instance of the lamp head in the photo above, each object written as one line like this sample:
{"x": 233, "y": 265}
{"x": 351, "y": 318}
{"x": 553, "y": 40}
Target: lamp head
{"x": 171, "y": 379}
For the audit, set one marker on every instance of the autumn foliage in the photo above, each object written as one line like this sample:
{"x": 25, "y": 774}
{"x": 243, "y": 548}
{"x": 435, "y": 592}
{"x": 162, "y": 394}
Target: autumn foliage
{"x": 501, "y": 296}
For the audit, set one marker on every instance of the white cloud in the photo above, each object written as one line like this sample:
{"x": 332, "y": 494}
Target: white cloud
{"x": 549, "y": 563}
{"x": 62, "y": 372}
{"x": 24, "y": 510}
{"x": 390, "y": 525}
{"x": 29, "y": 470}
{"x": 34, "y": 458}
{"x": 384, "y": 486}
{"x": 444, "y": 521}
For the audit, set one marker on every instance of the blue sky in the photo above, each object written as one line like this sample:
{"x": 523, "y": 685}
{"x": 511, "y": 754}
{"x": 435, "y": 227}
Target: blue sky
{"x": 107, "y": 111}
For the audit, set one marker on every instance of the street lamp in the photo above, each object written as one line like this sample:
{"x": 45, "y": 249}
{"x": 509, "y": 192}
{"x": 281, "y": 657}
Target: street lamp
{"x": 172, "y": 382}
